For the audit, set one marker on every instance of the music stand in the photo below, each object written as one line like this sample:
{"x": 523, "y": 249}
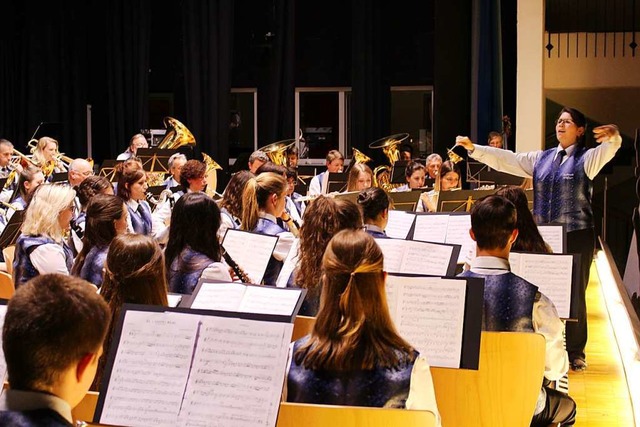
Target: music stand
{"x": 337, "y": 182}
{"x": 460, "y": 200}
{"x": 405, "y": 200}
{"x": 60, "y": 177}
{"x": 398, "y": 172}
{"x": 352, "y": 196}
{"x": 481, "y": 174}
{"x": 108, "y": 169}
{"x": 12, "y": 230}
{"x": 155, "y": 159}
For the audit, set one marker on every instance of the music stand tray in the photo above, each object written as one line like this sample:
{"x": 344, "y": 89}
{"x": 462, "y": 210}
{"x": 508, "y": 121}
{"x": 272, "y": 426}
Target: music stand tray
{"x": 352, "y": 196}
{"x": 460, "y": 200}
{"x": 108, "y": 169}
{"x": 12, "y": 230}
{"x": 155, "y": 159}
{"x": 405, "y": 200}
{"x": 337, "y": 182}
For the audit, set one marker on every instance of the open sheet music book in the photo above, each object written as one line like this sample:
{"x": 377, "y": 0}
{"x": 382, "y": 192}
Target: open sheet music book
{"x": 555, "y": 235}
{"x": 400, "y": 223}
{"x": 551, "y": 273}
{"x": 407, "y": 256}
{"x": 169, "y": 368}
{"x": 3, "y": 363}
{"x": 289, "y": 265}
{"x": 251, "y": 251}
{"x": 446, "y": 228}
{"x": 441, "y": 317}
{"x": 243, "y": 298}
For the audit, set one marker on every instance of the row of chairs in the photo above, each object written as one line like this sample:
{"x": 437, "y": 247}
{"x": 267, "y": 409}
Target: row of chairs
{"x": 502, "y": 392}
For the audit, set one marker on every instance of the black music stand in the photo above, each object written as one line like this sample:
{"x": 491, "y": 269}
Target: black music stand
{"x": 352, "y": 196}
{"x": 398, "y": 172}
{"x": 337, "y": 182}
{"x": 155, "y": 159}
{"x": 460, "y": 200}
{"x": 60, "y": 177}
{"x": 108, "y": 169}
{"x": 405, "y": 200}
{"x": 12, "y": 230}
{"x": 481, "y": 174}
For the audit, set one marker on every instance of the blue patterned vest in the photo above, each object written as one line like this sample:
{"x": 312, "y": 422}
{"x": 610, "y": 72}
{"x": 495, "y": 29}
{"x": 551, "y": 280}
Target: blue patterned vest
{"x": 264, "y": 226}
{"x": 141, "y": 222}
{"x": 381, "y": 387}
{"x": 91, "y": 270}
{"x": 36, "y": 417}
{"x": 375, "y": 233}
{"x": 565, "y": 196}
{"x": 186, "y": 270}
{"x": 508, "y": 302}
{"x": 23, "y": 268}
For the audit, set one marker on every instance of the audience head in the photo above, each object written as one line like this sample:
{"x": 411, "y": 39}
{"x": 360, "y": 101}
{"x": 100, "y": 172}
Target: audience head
{"x": 30, "y": 178}
{"x": 374, "y": 203}
{"x": 50, "y": 211}
{"x": 529, "y": 238}
{"x": 415, "y": 174}
{"x": 449, "y": 176}
{"x": 232, "y": 197}
{"x": 79, "y": 170}
{"x": 91, "y": 186}
{"x": 52, "y": 336}
{"x": 257, "y": 159}
{"x": 267, "y": 193}
{"x": 193, "y": 175}
{"x": 292, "y": 156}
{"x": 360, "y": 177}
{"x": 176, "y": 161}
{"x": 570, "y": 127}
{"x": 132, "y": 181}
{"x": 6, "y": 151}
{"x": 434, "y": 161}
{"x": 493, "y": 223}
{"x": 495, "y": 139}
{"x": 334, "y": 161}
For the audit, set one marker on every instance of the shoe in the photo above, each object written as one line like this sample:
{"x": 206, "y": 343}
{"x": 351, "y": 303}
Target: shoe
{"x": 578, "y": 364}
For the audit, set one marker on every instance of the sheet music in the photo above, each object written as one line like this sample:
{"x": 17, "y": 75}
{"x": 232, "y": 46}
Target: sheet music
{"x": 399, "y": 224}
{"x": 150, "y": 370}
{"x": 3, "y": 363}
{"x": 289, "y": 265}
{"x": 237, "y": 375}
{"x": 174, "y": 299}
{"x": 270, "y": 300}
{"x": 429, "y": 314}
{"x": 458, "y": 233}
{"x": 224, "y": 296}
{"x": 553, "y": 235}
{"x": 552, "y": 274}
{"x": 251, "y": 251}
{"x": 393, "y": 252}
{"x": 426, "y": 258}
{"x": 431, "y": 228}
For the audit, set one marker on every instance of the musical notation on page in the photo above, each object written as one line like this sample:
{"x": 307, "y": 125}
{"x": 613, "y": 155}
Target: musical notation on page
{"x": 408, "y": 256}
{"x": 399, "y": 224}
{"x": 251, "y": 251}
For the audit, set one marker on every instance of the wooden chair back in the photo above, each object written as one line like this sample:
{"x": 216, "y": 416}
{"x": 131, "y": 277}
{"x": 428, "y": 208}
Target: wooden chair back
{"x": 502, "y": 392}
{"x": 7, "y": 289}
{"x": 9, "y": 254}
{"x": 85, "y": 410}
{"x": 297, "y": 414}
{"x": 302, "y": 326}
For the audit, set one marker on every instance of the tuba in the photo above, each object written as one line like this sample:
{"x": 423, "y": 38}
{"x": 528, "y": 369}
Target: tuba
{"x": 389, "y": 146}
{"x": 359, "y": 157}
{"x": 277, "y": 151}
{"x": 177, "y": 135}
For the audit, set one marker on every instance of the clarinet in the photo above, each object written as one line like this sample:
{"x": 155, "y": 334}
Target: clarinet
{"x": 76, "y": 227}
{"x": 244, "y": 278}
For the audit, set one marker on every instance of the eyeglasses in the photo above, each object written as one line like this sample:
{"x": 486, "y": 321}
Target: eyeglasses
{"x": 567, "y": 122}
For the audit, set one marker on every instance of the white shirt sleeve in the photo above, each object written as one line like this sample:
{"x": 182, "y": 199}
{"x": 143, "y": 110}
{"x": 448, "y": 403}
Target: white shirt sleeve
{"x": 49, "y": 258}
{"x": 161, "y": 214}
{"x": 216, "y": 271}
{"x": 421, "y": 393}
{"x": 547, "y": 322}
{"x": 315, "y": 187}
{"x": 285, "y": 241}
{"x": 596, "y": 158}
{"x": 519, "y": 164}
{"x": 226, "y": 222}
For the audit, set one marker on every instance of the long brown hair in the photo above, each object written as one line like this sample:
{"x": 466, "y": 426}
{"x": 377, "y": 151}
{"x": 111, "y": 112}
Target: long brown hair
{"x": 255, "y": 195}
{"x": 529, "y": 238}
{"x": 324, "y": 217}
{"x": 353, "y": 329}
{"x": 354, "y": 175}
{"x": 232, "y": 197}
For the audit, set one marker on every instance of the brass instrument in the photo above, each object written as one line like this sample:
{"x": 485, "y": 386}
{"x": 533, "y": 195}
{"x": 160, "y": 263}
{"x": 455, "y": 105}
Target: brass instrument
{"x": 453, "y": 156}
{"x": 359, "y": 157}
{"x": 162, "y": 197}
{"x": 211, "y": 174}
{"x": 277, "y": 151}
{"x": 389, "y": 146}
{"x": 177, "y": 135}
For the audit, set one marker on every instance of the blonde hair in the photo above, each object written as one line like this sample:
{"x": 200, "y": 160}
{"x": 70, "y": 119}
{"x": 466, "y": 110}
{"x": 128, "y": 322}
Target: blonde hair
{"x": 332, "y": 155}
{"x": 255, "y": 195}
{"x": 47, "y": 202}
{"x": 354, "y": 175}
{"x": 38, "y": 154}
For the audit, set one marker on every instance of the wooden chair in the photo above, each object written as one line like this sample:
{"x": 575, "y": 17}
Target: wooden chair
{"x": 502, "y": 392}
{"x": 296, "y": 414}
{"x": 302, "y": 326}
{"x": 9, "y": 254}
{"x": 7, "y": 288}
{"x": 86, "y": 408}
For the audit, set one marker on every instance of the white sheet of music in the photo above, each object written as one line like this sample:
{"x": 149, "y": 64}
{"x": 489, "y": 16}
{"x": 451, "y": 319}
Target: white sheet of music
{"x": 270, "y": 300}
{"x": 174, "y": 299}
{"x": 393, "y": 252}
{"x": 289, "y": 265}
{"x": 552, "y": 274}
{"x": 458, "y": 233}
{"x": 224, "y": 296}
{"x": 552, "y": 235}
{"x": 151, "y": 369}
{"x": 251, "y": 251}
{"x": 412, "y": 257}
{"x": 431, "y": 228}
{"x": 399, "y": 224}
{"x": 238, "y": 372}
{"x": 3, "y": 363}
{"x": 429, "y": 313}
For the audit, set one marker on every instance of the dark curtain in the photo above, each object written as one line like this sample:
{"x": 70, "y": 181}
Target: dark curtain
{"x": 276, "y": 85}
{"x": 486, "y": 79}
{"x": 128, "y": 30}
{"x": 370, "y": 101}
{"x": 43, "y": 71}
{"x": 207, "y": 27}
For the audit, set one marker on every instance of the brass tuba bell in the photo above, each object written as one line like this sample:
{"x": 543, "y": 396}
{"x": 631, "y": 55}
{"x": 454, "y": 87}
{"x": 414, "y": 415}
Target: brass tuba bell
{"x": 211, "y": 174}
{"x": 177, "y": 135}
{"x": 277, "y": 151}
{"x": 453, "y": 156}
{"x": 359, "y": 157}
{"x": 389, "y": 145}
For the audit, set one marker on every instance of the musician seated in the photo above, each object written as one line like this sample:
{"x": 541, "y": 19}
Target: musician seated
{"x": 513, "y": 304}
{"x": 414, "y": 175}
{"x": 495, "y": 140}
{"x": 193, "y": 178}
{"x": 354, "y": 355}
{"x": 193, "y": 251}
{"x": 335, "y": 163}
{"x": 6, "y": 169}
{"x": 406, "y": 152}
{"x": 360, "y": 177}
{"x": 292, "y": 156}
{"x": 263, "y": 203}
{"x": 79, "y": 170}
{"x": 28, "y": 180}
{"x": 53, "y": 333}
{"x": 176, "y": 161}
{"x": 231, "y": 202}
{"x": 294, "y": 208}
{"x": 47, "y": 156}
{"x": 137, "y": 141}
{"x": 41, "y": 247}
{"x": 133, "y": 273}
{"x": 449, "y": 180}
{"x": 106, "y": 217}
{"x": 324, "y": 217}
{"x": 88, "y": 188}
{"x": 374, "y": 203}
{"x": 434, "y": 161}
{"x": 257, "y": 159}
{"x": 132, "y": 189}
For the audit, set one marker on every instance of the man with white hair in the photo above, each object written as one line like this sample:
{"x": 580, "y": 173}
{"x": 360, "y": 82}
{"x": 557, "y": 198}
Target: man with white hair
{"x": 434, "y": 161}
{"x": 257, "y": 159}
{"x": 176, "y": 161}
{"x": 79, "y": 169}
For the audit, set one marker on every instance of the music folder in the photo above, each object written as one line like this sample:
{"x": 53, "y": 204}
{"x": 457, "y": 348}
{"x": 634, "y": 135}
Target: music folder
{"x": 174, "y": 366}
{"x": 555, "y": 235}
{"x": 336, "y": 182}
{"x": 440, "y": 316}
{"x": 60, "y": 177}
{"x": 251, "y": 251}
{"x": 12, "y": 229}
{"x": 405, "y": 200}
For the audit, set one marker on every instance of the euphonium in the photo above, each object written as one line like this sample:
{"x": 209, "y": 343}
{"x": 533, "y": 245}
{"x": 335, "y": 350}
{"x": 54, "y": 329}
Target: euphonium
{"x": 177, "y": 135}
{"x": 211, "y": 174}
{"x": 277, "y": 151}
{"x": 359, "y": 157}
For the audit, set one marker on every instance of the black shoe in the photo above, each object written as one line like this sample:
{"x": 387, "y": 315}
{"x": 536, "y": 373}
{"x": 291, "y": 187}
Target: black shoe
{"x": 578, "y": 364}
